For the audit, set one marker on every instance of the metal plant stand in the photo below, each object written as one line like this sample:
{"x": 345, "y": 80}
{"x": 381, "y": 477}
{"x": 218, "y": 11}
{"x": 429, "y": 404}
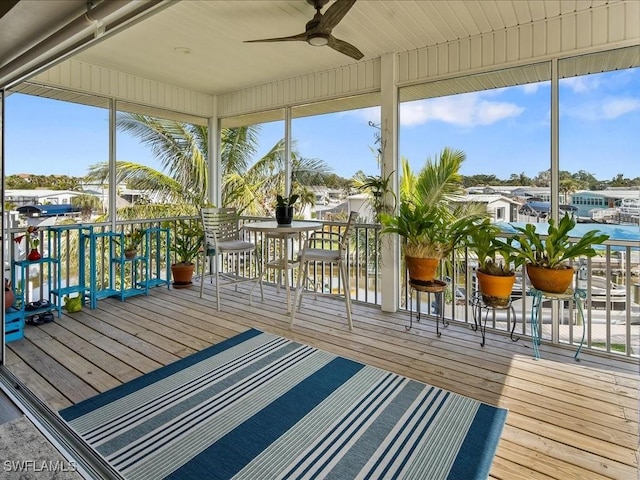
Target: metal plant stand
{"x": 436, "y": 287}
{"x": 577, "y": 295}
{"x": 479, "y": 305}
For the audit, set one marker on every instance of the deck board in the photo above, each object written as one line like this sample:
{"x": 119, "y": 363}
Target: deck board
{"x": 567, "y": 419}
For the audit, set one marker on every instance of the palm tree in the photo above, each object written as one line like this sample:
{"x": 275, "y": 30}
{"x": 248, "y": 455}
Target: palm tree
{"x": 87, "y": 204}
{"x": 183, "y": 153}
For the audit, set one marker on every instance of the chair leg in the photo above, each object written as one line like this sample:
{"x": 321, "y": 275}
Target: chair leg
{"x": 260, "y": 273}
{"x": 347, "y": 293}
{"x": 204, "y": 263}
{"x": 298, "y": 297}
{"x": 217, "y": 282}
{"x": 305, "y": 280}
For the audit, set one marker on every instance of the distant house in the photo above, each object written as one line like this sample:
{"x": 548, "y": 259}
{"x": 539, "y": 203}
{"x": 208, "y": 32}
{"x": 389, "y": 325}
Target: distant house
{"x": 360, "y": 203}
{"x": 40, "y": 197}
{"x": 499, "y": 207}
{"x": 589, "y": 201}
{"x": 506, "y": 190}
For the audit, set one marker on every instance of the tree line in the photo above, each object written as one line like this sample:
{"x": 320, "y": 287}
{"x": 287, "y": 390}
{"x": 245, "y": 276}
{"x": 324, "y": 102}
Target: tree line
{"x": 581, "y": 180}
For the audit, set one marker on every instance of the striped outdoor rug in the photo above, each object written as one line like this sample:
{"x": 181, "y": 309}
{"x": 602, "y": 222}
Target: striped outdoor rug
{"x": 259, "y": 406}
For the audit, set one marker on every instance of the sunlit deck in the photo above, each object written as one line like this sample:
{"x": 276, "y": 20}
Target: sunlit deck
{"x": 566, "y": 419}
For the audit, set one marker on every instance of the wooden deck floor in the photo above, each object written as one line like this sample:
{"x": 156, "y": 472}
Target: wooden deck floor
{"x": 567, "y": 419}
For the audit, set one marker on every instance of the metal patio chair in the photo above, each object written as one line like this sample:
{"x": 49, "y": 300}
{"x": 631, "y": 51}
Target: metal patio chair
{"x": 222, "y": 241}
{"x": 326, "y": 248}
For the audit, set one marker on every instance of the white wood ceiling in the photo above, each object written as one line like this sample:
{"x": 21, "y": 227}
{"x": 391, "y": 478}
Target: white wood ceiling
{"x": 220, "y": 62}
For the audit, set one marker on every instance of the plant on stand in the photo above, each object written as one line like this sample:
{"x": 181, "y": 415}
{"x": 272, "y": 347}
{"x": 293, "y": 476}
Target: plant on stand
{"x": 284, "y": 208}
{"x": 33, "y": 241}
{"x": 547, "y": 260}
{"x": 496, "y": 260}
{"x": 132, "y": 241}
{"x": 432, "y": 227}
{"x": 188, "y": 238}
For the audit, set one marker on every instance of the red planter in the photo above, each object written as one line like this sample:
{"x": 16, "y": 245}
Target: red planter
{"x": 34, "y": 255}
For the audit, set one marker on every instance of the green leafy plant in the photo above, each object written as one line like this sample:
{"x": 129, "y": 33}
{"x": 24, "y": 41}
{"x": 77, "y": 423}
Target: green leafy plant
{"x": 31, "y": 234}
{"x": 286, "y": 201}
{"x": 556, "y": 249}
{"x": 431, "y": 231}
{"x": 426, "y": 217}
{"x": 133, "y": 239}
{"x": 495, "y": 256}
{"x": 377, "y": 187}
{"x": 188, "y": 238}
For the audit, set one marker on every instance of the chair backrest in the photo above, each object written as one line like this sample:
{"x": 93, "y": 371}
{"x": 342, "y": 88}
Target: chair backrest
{"x": 219, "y": 225}
{"x": 344, "y": 241}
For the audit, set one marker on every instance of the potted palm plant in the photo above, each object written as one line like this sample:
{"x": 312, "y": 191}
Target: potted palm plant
{"x": 431, "y": 226}
{"x": 547, "y": 261}
{"x": 284, "y": 209}
{"x": 188, "y": 238}
{"x": 496, "y": 260}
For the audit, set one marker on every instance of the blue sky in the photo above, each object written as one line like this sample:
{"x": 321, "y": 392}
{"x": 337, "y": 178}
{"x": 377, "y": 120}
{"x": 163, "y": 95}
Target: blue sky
{"x": 503, "y": 131}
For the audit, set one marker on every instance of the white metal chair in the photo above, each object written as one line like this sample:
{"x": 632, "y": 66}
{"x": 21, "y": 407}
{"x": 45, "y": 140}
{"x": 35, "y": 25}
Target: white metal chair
{"x": 222, "y": 236}
{"x": 332, "y": 250}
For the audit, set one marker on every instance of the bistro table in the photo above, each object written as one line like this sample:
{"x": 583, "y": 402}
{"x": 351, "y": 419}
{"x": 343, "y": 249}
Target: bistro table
{"x": 272, "y": 228}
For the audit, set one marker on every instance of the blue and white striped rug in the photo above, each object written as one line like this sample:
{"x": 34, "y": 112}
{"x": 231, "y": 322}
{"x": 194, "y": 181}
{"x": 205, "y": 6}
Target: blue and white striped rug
{"x": 259, "y": 406}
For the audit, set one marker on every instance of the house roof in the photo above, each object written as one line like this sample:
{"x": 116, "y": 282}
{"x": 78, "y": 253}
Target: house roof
{"x": 38, "y": 193}
{"x": 488, "y": 198}
{"x": 616, "y": 193}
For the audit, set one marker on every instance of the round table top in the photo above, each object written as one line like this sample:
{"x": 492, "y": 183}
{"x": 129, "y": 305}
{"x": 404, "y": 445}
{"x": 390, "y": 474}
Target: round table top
{"x": 273, "y": 227}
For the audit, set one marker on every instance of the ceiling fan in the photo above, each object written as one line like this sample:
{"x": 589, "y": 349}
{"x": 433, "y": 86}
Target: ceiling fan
{"x": 318, "y": 29}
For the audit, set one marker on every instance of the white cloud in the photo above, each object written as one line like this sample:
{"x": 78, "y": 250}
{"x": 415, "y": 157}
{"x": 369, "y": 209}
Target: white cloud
{"x": 530, "y": 88}
{"x": 608, "y": 108}
{"x": 581, "y": 84}
{"x": 371, "y": 114}
{"x": 464, "y": 110}
{"x": 615, "y": 107}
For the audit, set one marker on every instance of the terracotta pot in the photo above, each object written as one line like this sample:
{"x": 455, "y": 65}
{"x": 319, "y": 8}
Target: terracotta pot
{"x": 9, "y": 298}
{"x": 284, "y": 215}
{"x": 34, "y": 255}
{"x": 495, "y": 289}
{"x": 422, "y": 270}
{"x": 550, "y": 280}
{"x": 130, "y": 253}
{"x": 182, "y": 274}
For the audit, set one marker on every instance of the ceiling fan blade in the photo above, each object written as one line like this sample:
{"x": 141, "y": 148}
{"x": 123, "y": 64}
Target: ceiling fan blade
{"x": 334, "y": 14}
{"x": 344, "y": 47}
{"x": 292, "y": 38}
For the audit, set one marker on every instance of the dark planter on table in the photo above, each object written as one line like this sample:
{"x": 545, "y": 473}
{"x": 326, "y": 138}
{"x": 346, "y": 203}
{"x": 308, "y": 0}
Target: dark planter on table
{"x": 284, "y": 215}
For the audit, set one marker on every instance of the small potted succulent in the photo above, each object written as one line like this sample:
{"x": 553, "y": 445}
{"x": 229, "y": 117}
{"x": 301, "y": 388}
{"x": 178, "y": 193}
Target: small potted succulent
{"x": 547, "y": 261}
{"x": 284, "y": 209}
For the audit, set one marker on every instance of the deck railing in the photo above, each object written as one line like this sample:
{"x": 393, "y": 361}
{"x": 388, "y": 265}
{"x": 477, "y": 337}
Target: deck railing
{"x": 611, "y": 281}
